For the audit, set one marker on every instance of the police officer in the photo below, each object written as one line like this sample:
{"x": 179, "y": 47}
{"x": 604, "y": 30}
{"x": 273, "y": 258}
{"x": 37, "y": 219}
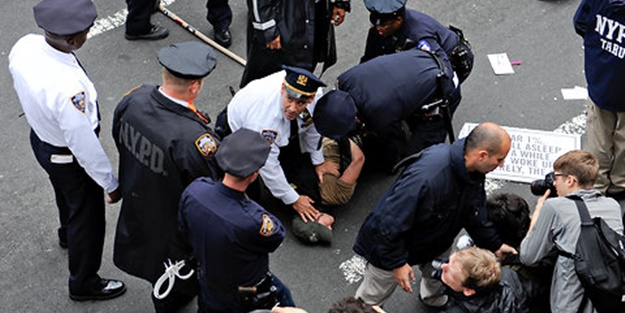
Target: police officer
{"x": 396, "y": 28}
{"x": 164, "y": 143}
{"x": 60, "y": 103}
{"x": 276, "y": 106}
{"x": 374, "y": 99}
{"x": 293, "y": 33}
{"x": 232, "y": 235}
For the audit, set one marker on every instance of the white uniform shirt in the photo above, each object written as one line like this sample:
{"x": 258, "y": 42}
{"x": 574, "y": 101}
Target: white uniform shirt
{"x": 59, "y": 101}
{"x": 258, "y": 107}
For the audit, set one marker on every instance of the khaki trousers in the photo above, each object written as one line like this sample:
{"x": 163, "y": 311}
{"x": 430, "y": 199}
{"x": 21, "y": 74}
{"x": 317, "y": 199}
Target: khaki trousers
{"x": 605, "y": 139}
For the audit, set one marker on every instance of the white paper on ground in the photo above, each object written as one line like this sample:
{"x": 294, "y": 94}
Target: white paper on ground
{"x": 500, "y": 63}
{"x": 577, "y": 93}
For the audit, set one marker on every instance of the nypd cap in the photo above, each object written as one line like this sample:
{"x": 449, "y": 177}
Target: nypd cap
{"x": 384, "y": 10}
{"x": 311, "y": 232}
{"x": 243, "y": 152}
{"x": 300, "y": 83}
{"x": 65, "y": 17}
{"x": 335, "y": 114}
{"x": 188, "y": 60}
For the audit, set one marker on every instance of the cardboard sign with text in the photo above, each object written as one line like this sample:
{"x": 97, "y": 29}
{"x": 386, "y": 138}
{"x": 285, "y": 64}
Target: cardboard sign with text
{"x": 532, "y": 152}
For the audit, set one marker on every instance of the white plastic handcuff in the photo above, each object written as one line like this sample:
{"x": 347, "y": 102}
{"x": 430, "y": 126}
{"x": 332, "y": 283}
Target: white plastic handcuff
{"x": 171, "y": 271}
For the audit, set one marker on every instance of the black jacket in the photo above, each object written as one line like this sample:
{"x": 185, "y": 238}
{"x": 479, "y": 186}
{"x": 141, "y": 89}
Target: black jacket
{"x": 509, "y": 296}
{"x": 423, "y": 211}
{"x": 303, "y": 26}
{"x": 162, "y": 147}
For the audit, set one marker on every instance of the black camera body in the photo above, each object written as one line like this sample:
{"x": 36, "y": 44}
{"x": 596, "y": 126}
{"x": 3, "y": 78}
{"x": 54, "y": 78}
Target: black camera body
{"x": 437, "y": 273}
{"x": 540, "y": 186}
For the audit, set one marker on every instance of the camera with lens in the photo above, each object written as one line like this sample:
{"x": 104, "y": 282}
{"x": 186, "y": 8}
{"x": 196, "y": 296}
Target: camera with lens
{"x": 438, "y": 268}
{"x": 540, "y": 186}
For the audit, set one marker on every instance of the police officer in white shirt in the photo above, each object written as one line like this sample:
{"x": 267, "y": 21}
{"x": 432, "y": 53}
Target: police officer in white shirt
{"x": 279, "y": 106}
{"x": 60, "y": 105}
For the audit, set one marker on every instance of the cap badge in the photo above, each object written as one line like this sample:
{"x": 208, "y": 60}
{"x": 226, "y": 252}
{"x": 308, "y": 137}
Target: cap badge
{"x": 302, "y": 80}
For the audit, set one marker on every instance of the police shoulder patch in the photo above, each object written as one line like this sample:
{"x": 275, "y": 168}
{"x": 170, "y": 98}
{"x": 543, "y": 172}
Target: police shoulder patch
{"x": 424, "y": 45}
{"x": 269, "y": 135}
{"x": 207, "y": 145}
{"x": 79, "y": 101}
{"x": 267, "y": 227}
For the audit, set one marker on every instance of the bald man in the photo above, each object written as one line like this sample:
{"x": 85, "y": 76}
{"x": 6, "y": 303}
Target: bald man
{"x": 438, "y": 194}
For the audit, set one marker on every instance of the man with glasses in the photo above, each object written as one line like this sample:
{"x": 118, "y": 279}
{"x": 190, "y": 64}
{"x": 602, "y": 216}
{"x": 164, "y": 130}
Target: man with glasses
{"x": 555, "y": 225}
{"x": 278, "y": 106}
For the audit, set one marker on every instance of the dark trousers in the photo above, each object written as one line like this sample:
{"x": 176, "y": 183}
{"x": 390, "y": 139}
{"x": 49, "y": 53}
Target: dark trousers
{"x": 219, "y": 14}
{"x": 80, "y": 202}
{"x": 138, "y": 19}
{"x": 183, "y": 292}
{"x": 212, "y": 301}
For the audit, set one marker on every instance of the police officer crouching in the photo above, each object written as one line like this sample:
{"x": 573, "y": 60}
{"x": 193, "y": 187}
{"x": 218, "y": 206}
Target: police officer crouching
{"x": 232, "y": 235}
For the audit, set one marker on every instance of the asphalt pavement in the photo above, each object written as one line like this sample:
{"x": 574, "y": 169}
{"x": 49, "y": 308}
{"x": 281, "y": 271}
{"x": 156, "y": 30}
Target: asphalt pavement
{"x": 33, "y": 267}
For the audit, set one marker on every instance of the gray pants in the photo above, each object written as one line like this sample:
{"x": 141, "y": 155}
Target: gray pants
{"x": 378, "y": 285}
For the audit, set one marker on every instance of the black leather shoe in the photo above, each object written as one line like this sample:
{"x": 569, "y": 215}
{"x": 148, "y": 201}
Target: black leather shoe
{"x": 107, "y": 289}
{"x": 223, "y": 38}
{"x": 155, "y": 33}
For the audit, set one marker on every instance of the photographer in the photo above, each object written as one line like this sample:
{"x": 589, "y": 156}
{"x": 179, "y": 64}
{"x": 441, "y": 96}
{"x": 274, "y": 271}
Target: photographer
{"x": 555, "y": 224}
{"x": 478, "y": 283}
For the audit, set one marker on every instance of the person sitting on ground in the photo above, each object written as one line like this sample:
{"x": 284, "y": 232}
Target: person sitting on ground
{"x": 477, "y": 283}
{"x": 335, "y": 190}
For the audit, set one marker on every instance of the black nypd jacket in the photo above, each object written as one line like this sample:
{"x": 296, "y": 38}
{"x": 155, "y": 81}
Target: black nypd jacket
{"x": 423, "y": 211}
{"x": 162, "y": 147}
{"x": 299, "y": 23}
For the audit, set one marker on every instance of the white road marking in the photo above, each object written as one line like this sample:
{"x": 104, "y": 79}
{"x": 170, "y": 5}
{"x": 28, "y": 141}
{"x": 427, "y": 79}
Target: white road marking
{"x": 118, "y": 19}
{"x": 354, "y": 268}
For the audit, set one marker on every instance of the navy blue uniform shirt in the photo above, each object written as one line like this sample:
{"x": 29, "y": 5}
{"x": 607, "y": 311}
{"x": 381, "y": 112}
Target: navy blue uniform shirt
{"x": 231, "y": 235}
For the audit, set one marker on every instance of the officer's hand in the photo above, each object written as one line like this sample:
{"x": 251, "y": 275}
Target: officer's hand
{"x": 327, "y": 168}
{"x": 274, "y": 44}
{"x": 403, "y": 275}
{"x": 338, "y": 16}
{"x": 303, "y": 207}
{"x": 114, "y": 196}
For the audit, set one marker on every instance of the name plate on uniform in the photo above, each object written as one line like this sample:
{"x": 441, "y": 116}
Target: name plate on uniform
{"x": 532, "y": 152}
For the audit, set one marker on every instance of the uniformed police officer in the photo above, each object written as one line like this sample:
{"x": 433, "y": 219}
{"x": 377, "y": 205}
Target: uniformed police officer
{"x": 396, "y": 28}
{"x": 278, "y": 106}
{"x": 374, "y": 99}
{"x": 232, "y": 235}
{"x": 60, "y": 103}
{"x": 164, "y": 143}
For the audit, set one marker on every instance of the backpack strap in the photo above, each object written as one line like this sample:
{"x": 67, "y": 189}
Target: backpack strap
{"x": 585, "y": 219}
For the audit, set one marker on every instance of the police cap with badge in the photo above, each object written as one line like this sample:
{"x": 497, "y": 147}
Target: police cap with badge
{"x": 301, "y": 83}
{"x": 382, "y": 11}
{"x": 242, "y": 153}
{"x": 65, "y": 17}
{"x": 335, "y": 115}
{"x": 188, "y": 60}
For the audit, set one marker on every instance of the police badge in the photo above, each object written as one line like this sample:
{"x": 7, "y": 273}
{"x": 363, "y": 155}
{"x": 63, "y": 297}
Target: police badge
{"x": 269, "y": 135}
{"x": 78, "y": 100}
{"x": 207, "y": 145}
